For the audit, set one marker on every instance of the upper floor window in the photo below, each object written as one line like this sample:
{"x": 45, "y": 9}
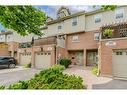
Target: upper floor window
{"x": 74, "y": 21}
{"x": 75, "y": 39}
{"x": 119, "y": 13}
{"x": 96, "y": 36}
{"x": 60, "y": 25}
{"x": 97, "y": 18}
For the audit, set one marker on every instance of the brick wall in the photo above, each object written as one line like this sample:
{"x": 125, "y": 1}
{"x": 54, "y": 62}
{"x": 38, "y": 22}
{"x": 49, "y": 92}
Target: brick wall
{"x": 105, "y": 54}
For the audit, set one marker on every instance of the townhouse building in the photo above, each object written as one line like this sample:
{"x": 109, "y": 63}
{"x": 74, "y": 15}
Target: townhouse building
{"x": 79, "y": 36}
{"x": 84, "y": 42}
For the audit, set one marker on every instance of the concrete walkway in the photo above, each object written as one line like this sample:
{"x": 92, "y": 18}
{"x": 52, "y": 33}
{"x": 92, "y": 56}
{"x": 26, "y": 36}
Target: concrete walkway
{"x": 89, "y": 79}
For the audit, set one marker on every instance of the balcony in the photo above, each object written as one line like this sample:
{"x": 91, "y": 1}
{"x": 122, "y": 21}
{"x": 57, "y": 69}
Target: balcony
{"x": 45, "y": 41}
{"x": 119, "y": 30}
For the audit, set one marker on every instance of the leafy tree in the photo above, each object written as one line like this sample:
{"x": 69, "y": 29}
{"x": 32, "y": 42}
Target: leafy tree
{"x": 107, "y": 7}
{"x": 23, "y": 19}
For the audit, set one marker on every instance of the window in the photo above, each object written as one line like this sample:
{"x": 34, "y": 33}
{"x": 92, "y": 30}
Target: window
{"x": 119, "y": 13}
{"x": 118, "y": 53}
{"x": 74, "y": 21}
{"x": 60, "y": 25}
{"x": 75, "y": 39}
{"x": 97, "y": 18}
{"x": 96, "y": 36}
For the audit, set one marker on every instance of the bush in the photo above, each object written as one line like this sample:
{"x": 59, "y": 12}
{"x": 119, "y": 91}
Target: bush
{"x": 19, "y": 85}
{"x": 65, "y": 62}
{"x": 2, "y": 87}
{"x": 27, "y": 65}
{"x": 108, "y": 33}
{"x": 52, "y": 78}
{"x": 95, "y": 71}
{"x": 58, "y": 67}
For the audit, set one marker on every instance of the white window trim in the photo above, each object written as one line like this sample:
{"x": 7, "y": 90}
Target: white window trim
{"x": 98, "y": 16}
{"x": 76, "y": 39}
{"x": 75, "y": 19}
{"x": 60, "y": 24}
{"x": 95, "y": 37}
{"x": 119, "y": 11}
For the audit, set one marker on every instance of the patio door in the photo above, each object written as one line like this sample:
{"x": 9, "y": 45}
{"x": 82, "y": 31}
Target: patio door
{"x": 79, "y": 58}
{"x": 92, "y": 58}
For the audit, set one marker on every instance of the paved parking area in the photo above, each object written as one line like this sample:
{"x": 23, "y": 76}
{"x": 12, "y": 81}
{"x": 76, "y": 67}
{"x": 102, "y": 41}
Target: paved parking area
{"x": 10, "y": 76}
{"x": 94, "y": 82}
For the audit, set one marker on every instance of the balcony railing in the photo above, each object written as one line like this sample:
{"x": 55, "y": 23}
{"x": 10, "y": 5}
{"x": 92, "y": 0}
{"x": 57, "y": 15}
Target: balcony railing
{"x": 119, "y": 30}
{"x": 45, "y": 41}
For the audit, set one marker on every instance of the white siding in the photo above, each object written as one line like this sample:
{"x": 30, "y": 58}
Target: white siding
{"x": 2, "y": 38}
{"x": 108, "y": 17}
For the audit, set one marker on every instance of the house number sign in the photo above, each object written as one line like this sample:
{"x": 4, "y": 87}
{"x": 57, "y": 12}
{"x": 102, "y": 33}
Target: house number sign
{"x": 110, "y": 43}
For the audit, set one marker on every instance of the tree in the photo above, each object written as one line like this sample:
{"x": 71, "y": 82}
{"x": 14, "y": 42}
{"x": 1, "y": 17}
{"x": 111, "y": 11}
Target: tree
{"x": 107, "y": 7}
{"x": 23, "y": 19}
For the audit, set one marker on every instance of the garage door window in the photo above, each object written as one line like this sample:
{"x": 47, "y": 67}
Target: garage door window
{"x": 118, "y": 53}
{"x": 49, "y": 53}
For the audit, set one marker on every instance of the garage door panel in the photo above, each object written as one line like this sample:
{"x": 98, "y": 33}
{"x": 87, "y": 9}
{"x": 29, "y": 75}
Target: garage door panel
{"x": 43, "y": 60}
{"x": 120, "y": 64}
{"x": 25, "y": 58}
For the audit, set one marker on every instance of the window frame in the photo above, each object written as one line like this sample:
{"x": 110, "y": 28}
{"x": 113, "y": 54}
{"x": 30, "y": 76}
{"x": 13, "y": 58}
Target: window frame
{"x": 98, "y": 36}
{"x": 97, "y": 16}
{"x": 118, "y": 12}
{"x": 60, "y": 25}
{"x": 74, "y": 39}
{"x": 75, "y": 21}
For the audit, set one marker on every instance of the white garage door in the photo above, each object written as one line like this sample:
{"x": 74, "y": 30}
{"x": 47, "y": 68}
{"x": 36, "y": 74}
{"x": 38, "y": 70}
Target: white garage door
{"x": 25, "y": 58}
{"x": 120, "y": 64}
{"x": 43, "y": 60}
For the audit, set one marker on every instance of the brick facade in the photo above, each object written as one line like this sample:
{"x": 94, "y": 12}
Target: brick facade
{"x": 86, "y": 42}
{"x": 105, "y": 54}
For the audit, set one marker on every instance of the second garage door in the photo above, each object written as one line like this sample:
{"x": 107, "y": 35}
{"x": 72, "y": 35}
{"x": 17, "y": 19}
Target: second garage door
{"x": 25, "y": 58}
{"x": 42, "y": 60}
{"x": 120, "y": 64}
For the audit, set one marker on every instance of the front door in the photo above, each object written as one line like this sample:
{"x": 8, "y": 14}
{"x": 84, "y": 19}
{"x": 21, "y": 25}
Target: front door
{"x": 76, "y": 57}
{"x": 79, "y": 58}
{"x": 92, "y": 58}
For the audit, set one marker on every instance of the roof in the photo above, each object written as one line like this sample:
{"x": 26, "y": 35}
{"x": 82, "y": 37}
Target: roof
{"x": 67, "y": 17}
{"x": 5, "y": 33}
{"x": 78, "y": 14}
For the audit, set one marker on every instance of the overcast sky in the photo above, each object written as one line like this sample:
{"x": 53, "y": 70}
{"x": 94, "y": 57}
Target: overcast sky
{"x": 52, "y": 10}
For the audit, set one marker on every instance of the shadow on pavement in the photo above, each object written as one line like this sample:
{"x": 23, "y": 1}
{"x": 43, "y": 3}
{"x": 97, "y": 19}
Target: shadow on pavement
{"x": 113, "y": 84}
{"x": 5, "y": 67}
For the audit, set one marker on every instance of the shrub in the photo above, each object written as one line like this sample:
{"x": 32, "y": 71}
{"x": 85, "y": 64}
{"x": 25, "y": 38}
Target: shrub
{"x": 108, "y": 33}
{"x": 27, "y": 65}
{"x": 65, "y": 62}
{"x": 58, "y": 67}
{"x": 95, "y": 71}
{"x": 55, "y": 79}
{"x": 19, "y": 85}
{"x": 2, "y": 87}
{"x": 52, "y": 78}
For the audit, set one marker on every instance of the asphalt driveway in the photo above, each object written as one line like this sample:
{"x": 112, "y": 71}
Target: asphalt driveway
{"x": 94, "y": 82}
{"x": 10, "y": 76}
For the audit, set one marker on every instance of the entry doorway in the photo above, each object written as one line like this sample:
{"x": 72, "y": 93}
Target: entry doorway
{"x": 76, "y": 57}
{"x": 92, "y": 58}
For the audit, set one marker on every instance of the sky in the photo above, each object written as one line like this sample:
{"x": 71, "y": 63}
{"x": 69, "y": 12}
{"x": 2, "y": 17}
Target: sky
{"x": 52, "y": 10}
